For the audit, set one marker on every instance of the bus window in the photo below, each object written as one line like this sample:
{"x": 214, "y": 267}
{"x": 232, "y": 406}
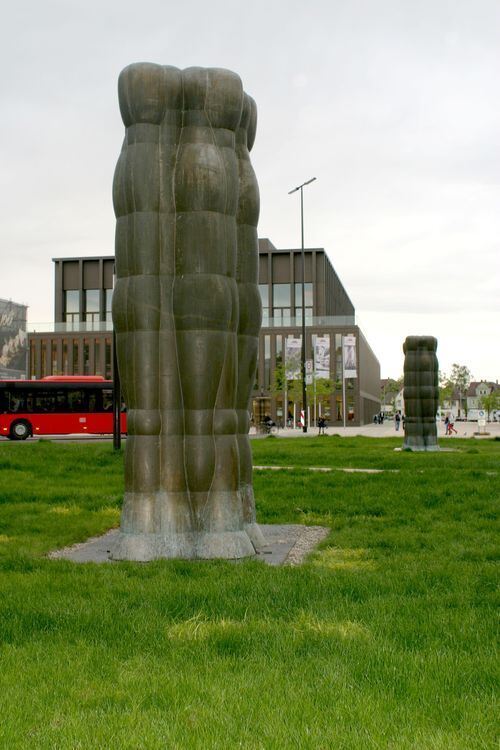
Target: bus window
{"x": 45, "y": 402}
{"x": 61, "y": 402}
{"x": 107, "y": 399}
{"x": 92, "y": 401}
{"x": 76, "y": 401}
{"x": 15, "y": 402}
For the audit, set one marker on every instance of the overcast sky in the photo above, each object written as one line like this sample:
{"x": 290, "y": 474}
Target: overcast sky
{"x": 394, "y": 105}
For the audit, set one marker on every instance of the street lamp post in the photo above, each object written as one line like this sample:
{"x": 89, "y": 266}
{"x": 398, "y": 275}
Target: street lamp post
{"x": 303, "y": 358}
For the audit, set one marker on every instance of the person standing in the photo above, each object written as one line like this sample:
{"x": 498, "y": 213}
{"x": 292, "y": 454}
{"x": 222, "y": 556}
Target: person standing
{"x": 397, "y": 420}
{"x": 451, "y": 425}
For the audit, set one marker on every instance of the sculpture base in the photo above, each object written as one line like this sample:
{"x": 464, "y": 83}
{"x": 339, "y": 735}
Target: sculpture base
{"x": 229, "y": 545}
{"x": 256, "y": 536}
{"x": 417, "y": 447}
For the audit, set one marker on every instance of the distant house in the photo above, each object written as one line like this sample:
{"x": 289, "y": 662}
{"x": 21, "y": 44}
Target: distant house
{"x": 387, "y": 395}
{"x": 399, "y": 401}
{"x": 476, "y": 390}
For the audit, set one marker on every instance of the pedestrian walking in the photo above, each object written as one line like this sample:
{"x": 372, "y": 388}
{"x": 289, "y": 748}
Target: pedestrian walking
{"x": 397, "y": 420}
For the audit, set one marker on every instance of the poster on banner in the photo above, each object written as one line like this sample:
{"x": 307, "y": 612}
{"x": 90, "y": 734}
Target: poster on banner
{"x": 349, "y": 345}
{"x": 322, "y": 356}
{"x": 13, "y": 340}
{"x": 293, "y": 351}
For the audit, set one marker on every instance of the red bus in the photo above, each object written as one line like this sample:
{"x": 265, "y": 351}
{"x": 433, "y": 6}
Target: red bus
{"x": 57, "y": 405}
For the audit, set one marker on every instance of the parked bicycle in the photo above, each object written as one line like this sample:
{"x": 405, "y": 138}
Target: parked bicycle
{"x": 268, "y": 427}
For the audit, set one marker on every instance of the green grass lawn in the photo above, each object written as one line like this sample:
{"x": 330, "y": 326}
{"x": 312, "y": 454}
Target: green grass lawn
{"x": 385, "y": 638}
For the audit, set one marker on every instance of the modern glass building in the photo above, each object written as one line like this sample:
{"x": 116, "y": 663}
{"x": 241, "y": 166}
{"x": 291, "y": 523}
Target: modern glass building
{"x": 342, "y": 395}
{"x": 344, "y": 373}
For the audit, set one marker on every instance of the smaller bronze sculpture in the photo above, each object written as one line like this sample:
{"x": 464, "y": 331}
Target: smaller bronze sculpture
{"x": 421, "y": 393}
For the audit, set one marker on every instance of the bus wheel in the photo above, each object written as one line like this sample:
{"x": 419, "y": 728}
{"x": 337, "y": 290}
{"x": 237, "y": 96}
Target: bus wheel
{"x": 20, "y": 430}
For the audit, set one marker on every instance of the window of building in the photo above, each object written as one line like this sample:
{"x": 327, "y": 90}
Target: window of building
{"x": 281, "y": 304}
{"x": 109, "y": 298}
{"x": 281, "y": 295}
{"x": 279, "y": 350}
{"x": 309, "y": 316}
{"x": 281, "y": 316}
{"x": 350, "y": 407}
{"x": 264, "y": 297}
{"x": 267, "y": 361}
{"x": 72, "y": 306}
{"x": 338, "y": 408}
{"x": 264, "y": 294}
{"x": 308, "y": 291}
{"x": 338, "y": 356}
{"x": 92, "y": 305}
{"x": 308, "y": 295}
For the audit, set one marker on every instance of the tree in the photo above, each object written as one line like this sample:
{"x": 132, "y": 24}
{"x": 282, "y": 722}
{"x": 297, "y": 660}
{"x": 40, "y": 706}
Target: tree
{"x": 321, "y": 388}
{"x": 491, "y": 402}
{"x": 279, "y": 384}
{"x": 446, "y": 389}
{"x": 460, "y": 378}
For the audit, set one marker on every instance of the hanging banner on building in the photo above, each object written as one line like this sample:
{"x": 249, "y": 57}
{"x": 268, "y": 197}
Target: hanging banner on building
{"x": 349, "y": 345}
{"x": 322, "y": 356}
{"x": 293, "y": 352}
{"x": 13, "y": 340}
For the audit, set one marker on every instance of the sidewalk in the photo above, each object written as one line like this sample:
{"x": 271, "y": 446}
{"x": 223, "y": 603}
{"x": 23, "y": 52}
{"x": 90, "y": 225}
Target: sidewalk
{"x": 464, "y": 430}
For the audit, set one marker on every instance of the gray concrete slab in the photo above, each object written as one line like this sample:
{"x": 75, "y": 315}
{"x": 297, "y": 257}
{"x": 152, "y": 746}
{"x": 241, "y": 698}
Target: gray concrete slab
{"x": 286, "y": 544}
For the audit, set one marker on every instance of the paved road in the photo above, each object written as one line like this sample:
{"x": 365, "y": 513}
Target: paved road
{"x": 464, "y": 429}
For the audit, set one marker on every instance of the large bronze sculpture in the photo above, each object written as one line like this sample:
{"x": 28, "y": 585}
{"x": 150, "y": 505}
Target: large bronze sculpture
{"x": 421, "y": 393}
{"x": 186, "y": 311}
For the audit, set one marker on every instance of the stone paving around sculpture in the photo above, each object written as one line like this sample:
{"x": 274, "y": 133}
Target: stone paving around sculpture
{"x": 285, "y": 544}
